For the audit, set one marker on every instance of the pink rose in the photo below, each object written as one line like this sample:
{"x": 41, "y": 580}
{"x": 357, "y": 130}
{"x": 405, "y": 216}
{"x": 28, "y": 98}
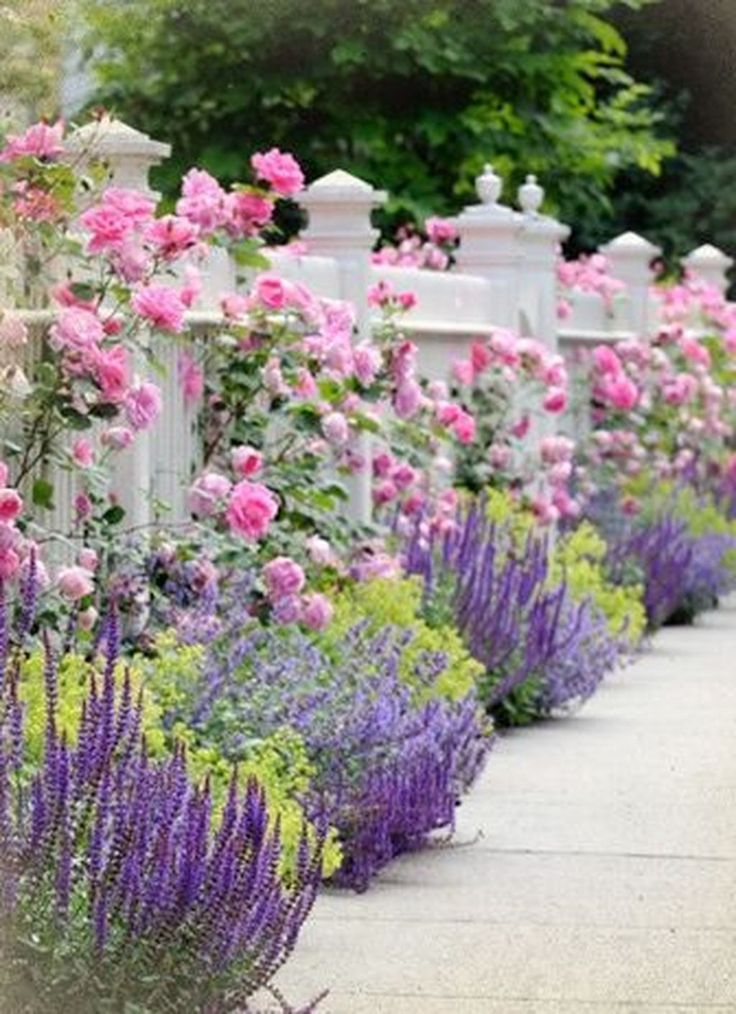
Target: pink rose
{"x": 271, "y": 292}
{"x": 207, "y": 493}
{"x": 463, "y": 372}
{"x": 321, "y": 552}
{"x": 622, "y": 393}
{"x": 366, "y": 362}
{"x": 83, "y": 452}
{"x": 383, "y": 464}
{"x": 251, "y": 510}
{"x": 203, "y": 201}
{"x": 109, "y": 229}
{"x": 41, "y": 140}
{"x": 464, "y": 428}
{"x": 9, "y": 555}
{"x": 171, "y": 235}
{"x": 335, "y": 428}
{"x": 480, "y": 356}
{"x": 441, "y": 230}
{"x": 88, "y": 559}
{"x": 247, "y": 213}
{"x": 408, "y": 399}
{"x": 143, "y": 405}
{"x": 280, "y": 170}
{"x": 11, "y": 504}
{"x": 384, "y": 492}
{"x": 246, "y": 461}
{"x": 118, "y": 438}
{"x": 191, "y": 377}
{"x": 283, "y": 578}
{"x": 606, "y": 360}
{"x": 317, "y": 611}
{"x": 76, "y": 329}
{"x": 75, "y": 583}
{"x": 161, "y": 306}
{"x": 555, "y": 400}
{"x": 132, "y": 204}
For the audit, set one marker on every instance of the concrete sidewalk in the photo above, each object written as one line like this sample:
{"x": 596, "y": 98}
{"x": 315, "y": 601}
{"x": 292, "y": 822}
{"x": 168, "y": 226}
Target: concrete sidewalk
{"x": 604, "y": 877}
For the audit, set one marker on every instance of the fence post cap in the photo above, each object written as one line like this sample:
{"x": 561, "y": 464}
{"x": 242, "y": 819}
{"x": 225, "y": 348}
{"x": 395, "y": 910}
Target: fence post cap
{"x": 341, "y": 186}
{"x": 708, "y": 255}
{"x": 109, "y": 136}
{"x": 530, "y": 195}
{"x": 631, "y": 244}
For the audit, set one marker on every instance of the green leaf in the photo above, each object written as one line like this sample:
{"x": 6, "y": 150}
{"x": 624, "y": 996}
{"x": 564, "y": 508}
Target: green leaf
{"x": 42, "y": 494}
{"x": 113, "y": 515}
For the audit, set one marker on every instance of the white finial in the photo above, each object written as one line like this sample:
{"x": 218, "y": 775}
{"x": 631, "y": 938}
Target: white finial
{"x": 530, "y": 195}
{"x": 488, "y": 185}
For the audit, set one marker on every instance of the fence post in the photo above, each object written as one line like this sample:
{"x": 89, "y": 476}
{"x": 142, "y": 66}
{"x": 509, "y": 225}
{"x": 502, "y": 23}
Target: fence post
{"x": 540, "y": 239}
{"x": 709, "y": 263}
{"x": 339, "y": 207}
{"x": 129, "y": 156}
{"x": 630, "y": 256}
{"x": 490, "y": 247}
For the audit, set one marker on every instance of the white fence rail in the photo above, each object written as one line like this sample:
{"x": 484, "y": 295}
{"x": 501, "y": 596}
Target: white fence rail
{"x": 505, "y": 276}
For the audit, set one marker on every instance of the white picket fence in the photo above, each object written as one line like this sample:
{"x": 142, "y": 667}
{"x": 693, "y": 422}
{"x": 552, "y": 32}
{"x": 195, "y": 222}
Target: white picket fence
{"x": 505, "y": 276}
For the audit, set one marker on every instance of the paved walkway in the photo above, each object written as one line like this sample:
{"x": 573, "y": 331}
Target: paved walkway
{"x": 605, "y": 877}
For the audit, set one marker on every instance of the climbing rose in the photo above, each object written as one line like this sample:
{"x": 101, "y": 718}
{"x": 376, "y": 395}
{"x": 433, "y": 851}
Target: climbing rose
{"x": 117, "y": 437}
{"x": 205, "y": 493}
{"x": 317, "y": 611}
{"x": 335, "y": 428}
{"x": 83, "y": 453}
{"x": 247, "y": 461}
{"x": 11, "y": 504}
{"x": 280, "y": 170}
{"x": 143, "y": 405}
{"x": 76, "y": 329}
{"x": 74, "y": 583}
{"x": 282, "y": 577}
{"x": 160, "y": 305}
{"x": 555, "y": 401}
{"x": 271, "y": 292}
{"x": 251, "y": 510}
{"x": 40, "y": 141}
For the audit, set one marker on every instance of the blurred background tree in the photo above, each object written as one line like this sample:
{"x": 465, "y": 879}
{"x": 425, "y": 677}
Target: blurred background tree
{"x": 31, "y": 36}
{"x": 413, "y": 95}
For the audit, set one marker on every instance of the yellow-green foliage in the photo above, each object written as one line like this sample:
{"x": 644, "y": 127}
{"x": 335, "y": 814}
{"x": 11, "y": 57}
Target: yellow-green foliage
{"x": 578, "y": 558}
{"x": 502, "y": 510}
{"x": 702, "y": 515}
{"x": 279, "y": 761}
{"x": 398, "y": 603}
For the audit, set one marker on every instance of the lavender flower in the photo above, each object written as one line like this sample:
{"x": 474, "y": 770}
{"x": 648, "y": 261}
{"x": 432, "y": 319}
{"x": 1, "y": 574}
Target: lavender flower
{"x": 134, "y": 892}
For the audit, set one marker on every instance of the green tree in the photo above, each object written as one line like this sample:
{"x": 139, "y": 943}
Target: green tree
{"x": 414, "y": 95}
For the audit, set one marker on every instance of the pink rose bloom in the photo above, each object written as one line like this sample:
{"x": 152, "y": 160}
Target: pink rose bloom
{"x": 247, "y": 213}
{"x": 694, "y": 351}
{"x": 143, "y": 405}
{"x": 9, "y": 556}
{"x": 447, "y": 412}
{"x": 280, "y": 170}
{"x": 463, "y": 372}
{"x": 441, "y": 230}
{"x": 464, "y": 427}
{"x": 234, "y": 305}
{"x": 87, "y": 618}
{"x": 41, "y": 140}
{"x": 622, "y": 393}
{"x": 88, "y": 559}
{"x": 171, "y": 235}
{"x": 246, "y": 461}
{"x": 480, "y": 356}
{"x": 384, "y": 492}
{"x": 335, "y": 428}
{"x": 271, "y": 292}
{"x": 132, "y": 262}
{"x": 203, "y": 201}
{"x": 77, "y": 330}
{"x": 132, "y": 204}
{"x": 11, "y": 504}
{"x": 383, "y": 464}
{"x": 251, "y": 510}
{"x": 544, "y": 510}
{"x": 283, "y": 578}
{"x": 606, "y": 360}
{"x": 408, "y": 399}
{"x": 109, "y": 229}
{"x": 407, "y": 300}
{"x": 555, "y": 400}
{"x": 207, "y": 494}
{"x": 118, "y": 438}
{"x": 317, "y": 611}
{"x": 437, "y": 390}
{"x": 161, "y": 306}
{"x": 320, "y": 551}
{"x": 83, "y": 453}
{"x": 413, "y": 503}
{"x": 75, "y": 583}
{"x": 306, "y": 385}
{"x": 404, "y": 475}
{"x": 192, "y": 288}
{"x": 499, "y": 456}
{"x": 366, "y": 362}
{"x": 521, "y": 428}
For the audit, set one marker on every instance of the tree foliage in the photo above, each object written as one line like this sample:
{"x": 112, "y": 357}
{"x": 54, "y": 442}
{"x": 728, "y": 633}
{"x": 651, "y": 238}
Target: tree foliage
{"x": 410, "y": 94}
